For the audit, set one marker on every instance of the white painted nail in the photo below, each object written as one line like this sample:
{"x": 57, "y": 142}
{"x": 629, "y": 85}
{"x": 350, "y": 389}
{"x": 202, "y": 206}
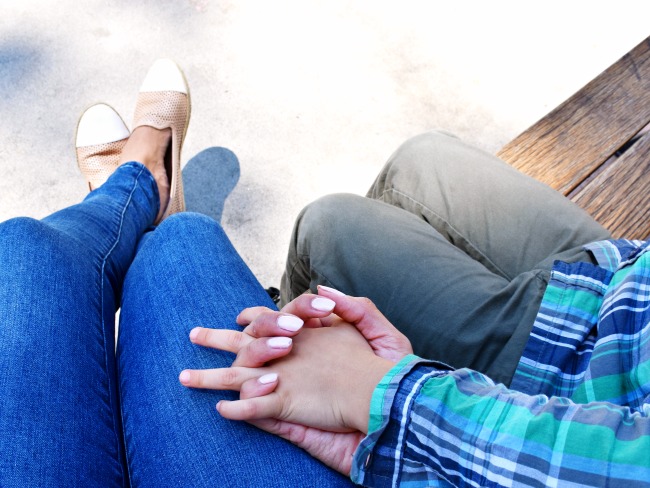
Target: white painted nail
{"x": 289, "y": 322}
{"x": 268, "y": 378}
{"x": 323, "y": 304}
{"x": 279, "y": 342}
{"x": 332, "y": 290}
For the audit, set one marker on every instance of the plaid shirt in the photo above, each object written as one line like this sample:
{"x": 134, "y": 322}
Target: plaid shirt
{"x": 578, "y": 409}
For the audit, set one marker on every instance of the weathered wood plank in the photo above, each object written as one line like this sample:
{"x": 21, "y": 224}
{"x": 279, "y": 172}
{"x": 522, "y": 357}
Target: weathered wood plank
{"x": 619, "y": 196}
{"x": 570, "y": 143}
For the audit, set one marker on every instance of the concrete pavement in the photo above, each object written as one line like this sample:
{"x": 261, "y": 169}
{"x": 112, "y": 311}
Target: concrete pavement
{"x": 291, "y": 99}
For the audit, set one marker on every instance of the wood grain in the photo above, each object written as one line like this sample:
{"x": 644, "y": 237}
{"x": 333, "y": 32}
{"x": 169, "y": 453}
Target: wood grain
{"x": 573, "y": 140}
{"x": 619, "y": 196}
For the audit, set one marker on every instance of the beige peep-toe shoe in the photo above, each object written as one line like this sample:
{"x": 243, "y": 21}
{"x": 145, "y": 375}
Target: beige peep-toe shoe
{"x": 164, "y": 102}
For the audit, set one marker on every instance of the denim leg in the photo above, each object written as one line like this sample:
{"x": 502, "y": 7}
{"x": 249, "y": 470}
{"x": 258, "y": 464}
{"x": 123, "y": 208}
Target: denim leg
{"x": 59, "y": 420}
{"x": 187, "y": 274}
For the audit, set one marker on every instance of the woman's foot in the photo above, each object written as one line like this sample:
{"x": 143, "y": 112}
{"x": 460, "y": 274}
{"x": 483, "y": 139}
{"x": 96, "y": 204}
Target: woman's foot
{"x": 164, "y": 103}
{"x": 162, "y": 114}
{"x": 149, "y": 146}
{"x": 101, "y": 136}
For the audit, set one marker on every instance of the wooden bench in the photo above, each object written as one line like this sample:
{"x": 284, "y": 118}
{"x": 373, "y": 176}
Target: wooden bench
{"x": 595, "y": 147}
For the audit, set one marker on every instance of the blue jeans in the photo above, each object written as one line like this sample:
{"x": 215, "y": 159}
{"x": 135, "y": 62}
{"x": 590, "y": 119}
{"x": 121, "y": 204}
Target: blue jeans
{"x": 75, "y": 412}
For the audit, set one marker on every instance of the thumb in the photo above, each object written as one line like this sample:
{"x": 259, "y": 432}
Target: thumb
{"x": 387, "y": 342}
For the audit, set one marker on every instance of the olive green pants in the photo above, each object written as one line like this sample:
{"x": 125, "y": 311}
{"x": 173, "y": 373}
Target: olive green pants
{"x": 452, "y": 244}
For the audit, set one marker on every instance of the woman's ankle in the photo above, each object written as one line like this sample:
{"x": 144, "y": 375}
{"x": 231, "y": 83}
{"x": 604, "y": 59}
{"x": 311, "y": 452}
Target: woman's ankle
{"x": 148, "y": 146}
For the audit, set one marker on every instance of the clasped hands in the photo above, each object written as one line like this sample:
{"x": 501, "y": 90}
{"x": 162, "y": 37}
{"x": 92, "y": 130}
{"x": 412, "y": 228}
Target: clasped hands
{"x": 306, "y": 373}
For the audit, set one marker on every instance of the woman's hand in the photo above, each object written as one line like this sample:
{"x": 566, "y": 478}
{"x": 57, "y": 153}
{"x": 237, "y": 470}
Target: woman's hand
{"x": 383, "y": 337}
{"x": 267, "y": 334}
{"x": 337, "y": 344}
{"x": 326, "y": 382}
{"x": 333, "y": 448}
{"x": 274, "y": 329}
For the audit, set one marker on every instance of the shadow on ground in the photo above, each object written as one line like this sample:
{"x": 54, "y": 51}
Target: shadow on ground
{"x": 208, "y": 178}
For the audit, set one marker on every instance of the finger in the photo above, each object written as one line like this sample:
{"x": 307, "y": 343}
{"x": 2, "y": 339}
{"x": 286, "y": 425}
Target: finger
{"x": 259, "y": 386}
{"x": 218, "y": 379}
{"x": 311, "y": 308}
{"x": 268, "y": 406}
{"x": 359, "y": 311}
{"x": 273, "y": 426}
{"x": 270, "y": 323}
{"x": 383, "y": 337}
{"x": 330, "y": 291}
{"x": 247, "y": 315}
{"x": 223, "y": 339}
{"x": 260, "y": 351}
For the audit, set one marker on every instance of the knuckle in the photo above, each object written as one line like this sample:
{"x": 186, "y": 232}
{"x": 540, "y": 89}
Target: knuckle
{"x": 234, "y": 340}
{"x": 302, "y": 302}
{"x": 204, "y": 335}
{"x": 367, "y": 303}
{"x": 254, "y": 352}
{"x": 247, "y": 391}
{"x": 198, "y": 378}
{"x": 250, "y": 314}
{"x": 250, "y": 409}
{"x": 260, "y": 312}
{"x": 268, "y": 316}
{"x": 260, "y": 326}
{"x": 229, "y": 378}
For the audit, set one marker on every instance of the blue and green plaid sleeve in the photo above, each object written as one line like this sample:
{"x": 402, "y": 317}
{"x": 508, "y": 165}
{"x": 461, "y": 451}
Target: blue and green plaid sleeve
{"x": 457, "y": 428}
{"x": 577, "y": 413}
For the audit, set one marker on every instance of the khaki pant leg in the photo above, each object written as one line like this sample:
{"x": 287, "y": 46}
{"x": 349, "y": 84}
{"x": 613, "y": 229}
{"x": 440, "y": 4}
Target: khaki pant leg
{"x": 504, "y": 219}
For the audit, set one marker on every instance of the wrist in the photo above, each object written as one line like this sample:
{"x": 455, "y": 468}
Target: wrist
{"x": 371, "y": 371}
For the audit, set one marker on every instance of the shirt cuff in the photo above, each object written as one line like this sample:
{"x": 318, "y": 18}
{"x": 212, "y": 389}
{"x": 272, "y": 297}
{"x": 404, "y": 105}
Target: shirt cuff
{"x": 377, "y": 460}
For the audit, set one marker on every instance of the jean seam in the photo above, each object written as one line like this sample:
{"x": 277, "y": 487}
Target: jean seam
{"x": 102, "y": 277}
{"x": 451, "y": 227}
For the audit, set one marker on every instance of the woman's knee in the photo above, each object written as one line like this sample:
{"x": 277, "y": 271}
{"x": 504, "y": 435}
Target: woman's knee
{"x": 184, "y": 221}
{"x": 190, "y": 226}
{"x": 187, "y": 238}
{"x": 24, "y": 228}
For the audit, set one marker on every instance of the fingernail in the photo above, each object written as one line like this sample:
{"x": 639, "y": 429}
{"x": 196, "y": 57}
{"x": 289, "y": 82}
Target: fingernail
{"x": 279, "y": 342}
{"x": 194, "y": 333}
{"x": 289, "y": 322}
{"x": 332, "y": 290}
{"x": 184, "y": 377}
{"x": 323, "y": 304}
{"x": 268, "y": 378}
